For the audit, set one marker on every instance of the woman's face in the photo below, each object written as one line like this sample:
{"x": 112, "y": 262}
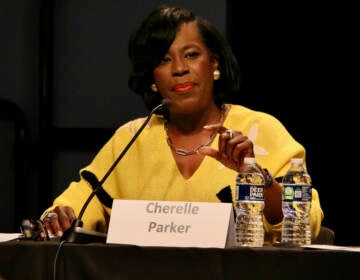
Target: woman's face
{"x": 185, "y": 74}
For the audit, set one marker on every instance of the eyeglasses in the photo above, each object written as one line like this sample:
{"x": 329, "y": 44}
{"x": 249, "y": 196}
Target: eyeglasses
{"x": 34, "y": 230}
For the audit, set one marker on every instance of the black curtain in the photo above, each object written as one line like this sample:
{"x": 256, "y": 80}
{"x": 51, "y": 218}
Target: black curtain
{"x": 296, "y": 65}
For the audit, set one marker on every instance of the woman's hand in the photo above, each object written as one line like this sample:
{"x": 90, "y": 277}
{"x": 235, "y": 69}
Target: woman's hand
{"x": 233, "y": 147}
{"x": 59, "y": 220}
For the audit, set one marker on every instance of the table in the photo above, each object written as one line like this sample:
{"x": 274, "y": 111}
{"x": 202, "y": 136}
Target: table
{"x": 36, "y": 260}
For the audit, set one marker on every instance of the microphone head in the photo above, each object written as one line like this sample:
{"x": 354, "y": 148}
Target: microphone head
{"x": 166, "y": 104}
{"x": 163, "y": 108}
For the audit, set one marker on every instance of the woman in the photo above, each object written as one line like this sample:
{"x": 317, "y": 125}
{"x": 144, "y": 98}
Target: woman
{"x": 197, "y": 147}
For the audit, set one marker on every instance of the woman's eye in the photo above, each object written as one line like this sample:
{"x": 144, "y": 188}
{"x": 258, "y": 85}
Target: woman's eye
{"x": 165, "y": 59}
{"x": 192, "y": 54}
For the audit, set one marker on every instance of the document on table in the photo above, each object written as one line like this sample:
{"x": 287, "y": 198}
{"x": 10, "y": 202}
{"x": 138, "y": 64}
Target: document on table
{"x": 9, "y": 236}
{"x": 332, "y": 247}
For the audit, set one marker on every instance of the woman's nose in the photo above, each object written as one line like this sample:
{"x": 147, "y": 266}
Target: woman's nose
{"x": 179, "y": 67}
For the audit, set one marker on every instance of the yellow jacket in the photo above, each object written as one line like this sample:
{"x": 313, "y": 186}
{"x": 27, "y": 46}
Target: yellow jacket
{"x": 148, "y": 170}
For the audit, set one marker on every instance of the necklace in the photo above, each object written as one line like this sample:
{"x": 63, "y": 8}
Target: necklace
{"x": 183, "y": 152}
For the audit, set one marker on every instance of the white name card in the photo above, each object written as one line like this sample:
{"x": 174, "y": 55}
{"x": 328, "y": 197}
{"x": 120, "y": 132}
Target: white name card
{"x": 171, "y": 223}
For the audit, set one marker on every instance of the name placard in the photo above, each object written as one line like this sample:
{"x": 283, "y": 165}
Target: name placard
{"x": 171, "y": 223}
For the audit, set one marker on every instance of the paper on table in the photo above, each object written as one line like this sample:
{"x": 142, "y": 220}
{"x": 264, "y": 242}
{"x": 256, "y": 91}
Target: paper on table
{"x": 332, "y": 247}
{"x": 9, "y": 236}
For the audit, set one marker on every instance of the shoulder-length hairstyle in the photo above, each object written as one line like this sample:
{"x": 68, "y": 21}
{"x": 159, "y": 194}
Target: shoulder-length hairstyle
{"x": 151, "y": 41}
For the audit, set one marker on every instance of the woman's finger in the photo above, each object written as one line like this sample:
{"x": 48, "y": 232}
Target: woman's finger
{"x": 52, "y": 224}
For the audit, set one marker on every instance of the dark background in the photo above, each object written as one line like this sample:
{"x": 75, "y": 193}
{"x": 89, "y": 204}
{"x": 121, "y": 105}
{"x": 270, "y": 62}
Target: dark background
{"x": 64, "y": 64}
{"x": 298, "y": 63}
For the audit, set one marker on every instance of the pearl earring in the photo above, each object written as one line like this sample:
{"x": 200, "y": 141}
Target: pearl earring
{"x": 154, "y": 87}
{"x": 216, "y": 74}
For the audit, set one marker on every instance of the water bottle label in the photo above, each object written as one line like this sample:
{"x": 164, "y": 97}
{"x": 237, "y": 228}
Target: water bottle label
{"x": 297, "y": 193}
{"x": 249, "y": 192}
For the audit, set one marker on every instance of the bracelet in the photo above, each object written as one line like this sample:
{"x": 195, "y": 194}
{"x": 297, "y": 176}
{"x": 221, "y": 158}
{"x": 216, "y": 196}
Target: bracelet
{"x": 268, "y": 178}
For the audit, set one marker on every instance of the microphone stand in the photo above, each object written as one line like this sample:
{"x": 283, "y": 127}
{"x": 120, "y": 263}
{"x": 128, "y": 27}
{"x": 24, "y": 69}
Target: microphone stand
{"x": 76, "y": 233}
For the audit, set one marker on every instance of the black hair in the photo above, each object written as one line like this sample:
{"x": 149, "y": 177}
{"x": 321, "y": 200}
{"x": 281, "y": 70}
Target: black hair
{"x": 151, "y": 41}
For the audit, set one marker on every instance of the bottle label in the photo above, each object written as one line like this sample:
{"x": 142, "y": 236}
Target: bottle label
{"x": 296, "y": 193}
{"x": 249, "y": 192}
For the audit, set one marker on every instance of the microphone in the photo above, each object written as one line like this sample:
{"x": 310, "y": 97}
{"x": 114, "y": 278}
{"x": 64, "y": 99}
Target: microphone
{"x": 76, "y": 233}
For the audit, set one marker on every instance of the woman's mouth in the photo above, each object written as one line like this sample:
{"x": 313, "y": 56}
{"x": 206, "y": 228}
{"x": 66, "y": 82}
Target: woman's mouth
{"x": 183, "y": 87}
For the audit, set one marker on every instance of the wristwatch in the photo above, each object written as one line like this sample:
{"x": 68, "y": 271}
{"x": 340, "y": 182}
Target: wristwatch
{"x": 268, "y": 178}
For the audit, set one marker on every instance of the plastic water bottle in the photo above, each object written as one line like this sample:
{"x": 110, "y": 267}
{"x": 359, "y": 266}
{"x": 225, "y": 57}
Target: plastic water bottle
{"x": 249, "y": 228}
{"x": 296, "y": 204}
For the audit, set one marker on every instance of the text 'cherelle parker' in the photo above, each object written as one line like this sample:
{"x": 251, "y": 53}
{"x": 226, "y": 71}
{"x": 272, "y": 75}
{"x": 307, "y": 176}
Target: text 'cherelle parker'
{"x": 178, "y": 209}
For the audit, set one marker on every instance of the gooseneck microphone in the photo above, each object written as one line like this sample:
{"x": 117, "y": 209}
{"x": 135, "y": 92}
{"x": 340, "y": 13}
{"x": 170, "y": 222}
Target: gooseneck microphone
{"x": 76, "y": 233}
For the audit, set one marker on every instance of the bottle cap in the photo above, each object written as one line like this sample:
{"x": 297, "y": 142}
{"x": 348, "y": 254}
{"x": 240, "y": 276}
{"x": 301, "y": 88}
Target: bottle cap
{"x": 249, "y": 160}
{"x": 297, "y": 160}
